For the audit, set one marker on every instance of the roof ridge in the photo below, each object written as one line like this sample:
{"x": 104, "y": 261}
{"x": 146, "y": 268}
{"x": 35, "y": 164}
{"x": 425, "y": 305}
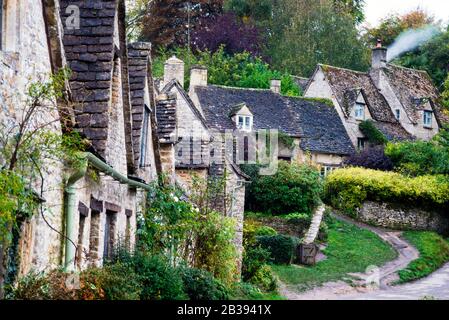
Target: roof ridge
{"x": 237, "y": 88}
{"x": 406, "y": 68}
{"x": 344, "y": 69}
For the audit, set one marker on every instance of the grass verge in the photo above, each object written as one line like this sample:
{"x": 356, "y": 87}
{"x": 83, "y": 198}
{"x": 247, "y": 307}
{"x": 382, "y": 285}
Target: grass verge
{"x": 350, "y": 249}
{"x": 433, "y": 250}
{"x": 246, "y": 291}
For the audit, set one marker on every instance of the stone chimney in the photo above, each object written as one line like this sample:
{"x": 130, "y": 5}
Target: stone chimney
{"x": 174, "y": 69}
{"x": 379, "y": 57}
{"x": 275, "y": 86}
{"x": 198, "y": 76}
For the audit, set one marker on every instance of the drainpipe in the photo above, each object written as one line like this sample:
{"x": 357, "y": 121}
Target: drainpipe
{"x": 70, "y": 205}
{"x": 70, "y": 211}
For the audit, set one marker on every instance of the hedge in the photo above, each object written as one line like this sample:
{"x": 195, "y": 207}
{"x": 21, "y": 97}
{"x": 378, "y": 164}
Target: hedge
{"x": 347, "y": 189}
{"x": 281, "y": 248}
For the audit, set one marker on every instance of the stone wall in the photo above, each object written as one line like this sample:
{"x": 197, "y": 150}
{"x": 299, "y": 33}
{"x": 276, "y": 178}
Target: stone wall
{"x": 401, "y": 217}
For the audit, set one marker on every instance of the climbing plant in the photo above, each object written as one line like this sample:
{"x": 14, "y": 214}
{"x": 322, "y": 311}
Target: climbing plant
{"x": 372, "y": 133}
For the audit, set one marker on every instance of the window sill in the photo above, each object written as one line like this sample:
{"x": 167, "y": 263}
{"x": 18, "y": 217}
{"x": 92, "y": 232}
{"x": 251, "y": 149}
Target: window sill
{"x": 428, "y": 127}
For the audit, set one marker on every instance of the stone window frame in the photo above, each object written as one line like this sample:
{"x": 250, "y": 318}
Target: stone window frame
{"x": 428, "y": 118}
{"x": 361, "y": 143}
{"x": 10, "y": 16}
{"x": 1, "y": 24}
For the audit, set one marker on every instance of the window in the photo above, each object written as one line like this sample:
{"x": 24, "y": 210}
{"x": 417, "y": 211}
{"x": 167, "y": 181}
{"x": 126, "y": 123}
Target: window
{"x": 326, "y": 170}
{"x": 109, "y": 234}
{"x": 360, "y": 143}
{"x": 360, "y": 111}
{"x": 397, "y": 114}
{"x": 94, "y": 237}
{"x": 144, "y": 141}
{"x": 80, "y": 248}
{"x": 428, "y": 119}
{"x": 244, "y": 123}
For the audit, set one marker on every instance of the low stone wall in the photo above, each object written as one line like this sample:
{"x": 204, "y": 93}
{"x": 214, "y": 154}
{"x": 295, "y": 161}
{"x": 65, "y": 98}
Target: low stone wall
{"x": 401, "y": 217}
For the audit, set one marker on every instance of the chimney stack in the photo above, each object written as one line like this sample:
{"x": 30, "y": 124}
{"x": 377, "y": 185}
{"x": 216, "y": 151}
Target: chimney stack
{"x": 174, "y": 69}
{"x": 275, "y": 86}
{"x": 379, "y": 57}
{"x": 198, "y": 76}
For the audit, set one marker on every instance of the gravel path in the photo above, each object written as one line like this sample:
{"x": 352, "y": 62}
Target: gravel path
{"x": 385, "y": 275}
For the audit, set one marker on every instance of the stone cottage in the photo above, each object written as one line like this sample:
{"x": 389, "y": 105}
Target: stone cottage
{"x": 317, "y": 133}
{"x": 91, "y": 209}
{"x": 402, "y": 103}
{"x": 189, "y": 146}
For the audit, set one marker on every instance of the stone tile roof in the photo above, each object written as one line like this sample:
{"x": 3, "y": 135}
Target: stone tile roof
{"x": 412, "y": 87}
{"x": 138, "y": 61}
{"x": 316, "y": 123}
{"x": 90, "y": 55}
{"x": 301, "y": 82}
{"x": 166, "y": 118}
{"x": 345, "y": 83}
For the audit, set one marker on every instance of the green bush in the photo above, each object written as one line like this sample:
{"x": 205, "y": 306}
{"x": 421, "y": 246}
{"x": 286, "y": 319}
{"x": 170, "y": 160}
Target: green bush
{"x": 264, "y": 279}
{"x": 346, "y": 189}
{"x": 159, "y": 280}
{"x": 294, "y": 188}
{"x": 254, "y": 258}
{"x": 419, "y": 157}
{"x": 265, "y": 231}
{"x": 281, "y": 248}
{"x": 373, "y": 134}
{"x": 434, "y": 252}
{"x": 201, "y": 285}
{"x": 300, "y": 220}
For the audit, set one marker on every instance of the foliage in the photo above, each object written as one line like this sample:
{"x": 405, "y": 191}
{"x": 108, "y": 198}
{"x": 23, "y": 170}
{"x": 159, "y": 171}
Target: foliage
{"x": 350, "y": 249}
{"x": 254, "y": 258}
{"x": 246, "y": 291}
{"x": 265, "y": 231}
{"x": 175, "y": 228}
{"x": 303, "y": 33}
{"x": 238, "y": 70}
{"x": 286, "y": 140}
{"x": 293, "y": 188}
{"x": 371, "y": 158}
{"x": 419, "y": 157}
{"x": 264, "y": 279}
{"x": 165, "y": 23}
{"x": 346, "y": 189}
{"x": 201, "y": 285}
{"x": 445, "y": 94}
{"x": 431, "y": 57}
{"x": 228, "y": 32}
{"x": 374, "y": 135}
{"x": 393, "y": 25}
{"x": 434, "y": 253}
{"x": 281, "y": 248}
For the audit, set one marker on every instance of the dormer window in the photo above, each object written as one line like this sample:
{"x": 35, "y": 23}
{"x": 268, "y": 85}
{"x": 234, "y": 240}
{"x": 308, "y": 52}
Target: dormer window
{"x": 244, "y": 123}
{"x": 428, "y": 115}
{"x": 360, "y": 111}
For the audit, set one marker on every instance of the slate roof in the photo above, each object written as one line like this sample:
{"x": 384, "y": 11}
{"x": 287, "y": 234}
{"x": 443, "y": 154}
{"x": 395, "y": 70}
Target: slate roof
{"x": 301, "y": 82}
{"x": 90, "y": 55}
{"x": 166, "y": 119}
{"x": 317, "y": 124}
{"x": 412, "y": 87}
{"x": 344, "y": 81}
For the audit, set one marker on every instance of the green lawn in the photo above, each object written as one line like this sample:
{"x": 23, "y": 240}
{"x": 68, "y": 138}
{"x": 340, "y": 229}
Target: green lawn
{"x": 350, "y": 249}
{"x": 246, "y": 291}
{"x": 433, "y": 250}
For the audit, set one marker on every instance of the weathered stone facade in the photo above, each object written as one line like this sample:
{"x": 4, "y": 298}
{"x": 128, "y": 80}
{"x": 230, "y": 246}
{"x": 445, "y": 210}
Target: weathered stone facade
{"x": 403, "y": 217}
{"x": 37, "y": 41}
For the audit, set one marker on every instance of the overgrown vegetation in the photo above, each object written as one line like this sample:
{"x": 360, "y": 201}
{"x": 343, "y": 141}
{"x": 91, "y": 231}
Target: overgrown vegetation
{"x": 350, "y": 249}
{"x": 238, "y": 70}
{"x": 370, "y": 158}
{"x": 433, "y": 251}
{"x": 346, "y": 189}
{"x": 293, "y": 188}
{"x": 374, "y": 135}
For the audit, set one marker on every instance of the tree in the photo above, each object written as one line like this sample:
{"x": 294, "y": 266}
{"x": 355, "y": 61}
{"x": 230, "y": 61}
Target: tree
{"x": 226, "y": 30}
{"x": 432, "y": 56}
{"x": 393, "y": 25}
{"x": 445, "y": 94}
{"x": 167, "y": 22}
{"x": 306, "y": 32}
{"x": 353, "y": 7}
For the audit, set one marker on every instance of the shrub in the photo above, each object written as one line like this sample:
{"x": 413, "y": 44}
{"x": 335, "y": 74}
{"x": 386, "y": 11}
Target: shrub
{"x": 281, "y": 248}
{"x": 300, "y": 220}
{"x": 254, "y": 258}
{"x": 264, "y": 279}
{"x": 374, "y": 135}
{"x": 371, "y": 158}
{"x": 419, "y": 157}
{"x": 265, "y": 231}
{"x": 201, "y": 285}
{"x": 346, "y": 189}
{"x": 33, "y": 286}
{"x": 159, "y": 280}
{"x": 294, "y": 188}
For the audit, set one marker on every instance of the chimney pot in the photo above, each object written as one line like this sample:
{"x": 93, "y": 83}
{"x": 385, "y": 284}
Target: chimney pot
{"x": 379, "y": 56}
{"x": 174, "y": 69}
{"x": 275, "y": 86}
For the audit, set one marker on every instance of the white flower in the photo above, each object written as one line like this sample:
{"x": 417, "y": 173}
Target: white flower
{"x": 175, "y": 199}
{"x": 197, "y": 210}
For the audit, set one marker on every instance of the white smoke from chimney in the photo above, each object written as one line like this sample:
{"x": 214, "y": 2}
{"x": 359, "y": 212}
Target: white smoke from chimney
{"x": 410, "y": 40}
